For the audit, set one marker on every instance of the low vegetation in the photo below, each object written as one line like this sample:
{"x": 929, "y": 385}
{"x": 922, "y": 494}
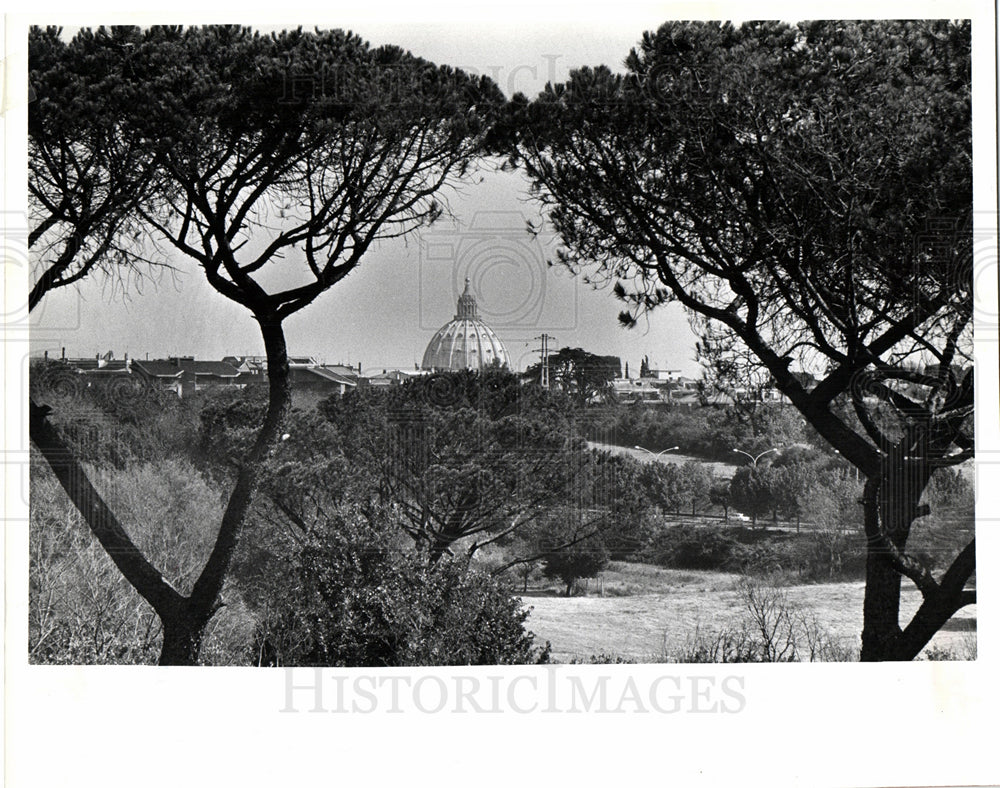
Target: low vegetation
{"x": 339, "y": 569}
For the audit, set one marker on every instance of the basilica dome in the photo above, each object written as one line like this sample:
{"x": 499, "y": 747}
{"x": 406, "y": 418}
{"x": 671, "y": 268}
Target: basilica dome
{"x": 466, "y": 342}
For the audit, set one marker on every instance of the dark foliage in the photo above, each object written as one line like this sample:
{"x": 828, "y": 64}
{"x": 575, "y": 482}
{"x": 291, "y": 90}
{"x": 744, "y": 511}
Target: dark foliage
{"x": 346, "y": 595}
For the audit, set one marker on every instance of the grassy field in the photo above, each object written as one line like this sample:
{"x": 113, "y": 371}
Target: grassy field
{"x": 724, "y": 470}
{"x": 648, "y": 612}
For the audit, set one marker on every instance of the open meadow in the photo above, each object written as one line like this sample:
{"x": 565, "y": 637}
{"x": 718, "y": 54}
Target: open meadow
{"x": 649, "y": 613}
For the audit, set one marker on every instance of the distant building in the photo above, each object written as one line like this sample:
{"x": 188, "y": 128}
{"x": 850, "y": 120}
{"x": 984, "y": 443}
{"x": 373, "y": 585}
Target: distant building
{"x": 318, "y": 381}
{"x": 465, "y": 342}
{"x": 656, "y": 386}
{"x": 392, "y": 377}
{"x": 101, "y": 366}
{"x": 247, "y": 365}
{"x": 309, "y": 379}
{"x": 185, "y": 376}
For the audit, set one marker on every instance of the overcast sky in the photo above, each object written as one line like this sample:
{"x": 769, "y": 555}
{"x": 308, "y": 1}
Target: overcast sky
{"x": 387, "y": 310}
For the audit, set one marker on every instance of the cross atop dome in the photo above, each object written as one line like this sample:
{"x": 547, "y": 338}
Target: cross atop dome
{"x": 467, "y": 303}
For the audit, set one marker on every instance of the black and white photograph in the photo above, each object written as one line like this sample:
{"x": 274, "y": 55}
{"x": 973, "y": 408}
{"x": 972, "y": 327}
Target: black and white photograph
{"x": 477, "y": 366}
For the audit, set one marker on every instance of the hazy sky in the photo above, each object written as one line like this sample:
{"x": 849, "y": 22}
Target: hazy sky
{"x": 386, "y": 311}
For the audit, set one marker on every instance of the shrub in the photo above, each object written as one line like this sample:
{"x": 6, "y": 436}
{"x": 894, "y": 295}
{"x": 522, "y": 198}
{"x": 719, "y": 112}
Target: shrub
{"x": 770, "y": 629}
{"x": 810, "y": 556}
{"x": 730, "y": 644}
{"x": 965, "y": 650}
{"x": 828, "y": 555}
{"x": 346, "y": 596}
{"x": 603, "y": 659}
{"x": 708, "y": 548}
{"x": 80, "y": 609}
{"x": 576, "y": 561}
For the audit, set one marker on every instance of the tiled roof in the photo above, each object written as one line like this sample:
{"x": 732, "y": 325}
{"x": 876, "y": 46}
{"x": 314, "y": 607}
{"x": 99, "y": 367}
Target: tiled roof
{"x": 113, "y": 368}
{"x": 342, "y": 369}
{"x": 160, "y": 368}
{"x": 396, "y": 375}
{"x": 332, "y": 376}
{"x": 218, "y": 368}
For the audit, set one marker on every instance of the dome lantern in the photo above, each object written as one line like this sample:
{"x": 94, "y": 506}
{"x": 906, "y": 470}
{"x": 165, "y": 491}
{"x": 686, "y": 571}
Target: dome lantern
{"x": 466, "y": 304}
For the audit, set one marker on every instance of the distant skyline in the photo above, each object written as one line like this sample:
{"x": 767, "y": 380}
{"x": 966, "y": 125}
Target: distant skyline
{"x": 385, "y": 312}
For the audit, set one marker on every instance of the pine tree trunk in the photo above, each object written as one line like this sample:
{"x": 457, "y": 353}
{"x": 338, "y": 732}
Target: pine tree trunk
{"x": 182, "y": 641}
{"x": 881, "y": 609}
{"x": 187, "y": 631}
{"x": 891, "y": 503}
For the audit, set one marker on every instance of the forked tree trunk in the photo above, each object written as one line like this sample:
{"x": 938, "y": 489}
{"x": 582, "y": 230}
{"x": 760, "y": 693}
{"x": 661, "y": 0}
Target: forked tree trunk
{"x": 939, "y": 606}
{"x": 184, "y": 618}
{"x": 892, "y": 502}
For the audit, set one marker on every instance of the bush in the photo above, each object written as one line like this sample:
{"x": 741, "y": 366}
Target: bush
{"x": 824, "y": 556}
{"x": 770, "y": 629}
{"x": 965, "y": 650}
{"x": 576, "y": 560}
{"x": 708, "y": 548}
{"x": 80, "y": 608}
{"x": 730, "y": 644}
{"x": 347, "y": 597}
{"x": 603, "y": 659}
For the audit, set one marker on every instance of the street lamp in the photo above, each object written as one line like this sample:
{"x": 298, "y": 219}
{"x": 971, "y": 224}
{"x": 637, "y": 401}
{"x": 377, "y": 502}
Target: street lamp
{"x": 752, "y": 458}
{"x": 847, "y": 473}
{"x": 658, "y": 453}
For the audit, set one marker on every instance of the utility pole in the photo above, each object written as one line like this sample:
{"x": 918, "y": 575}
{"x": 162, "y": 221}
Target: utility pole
{"x": 545, "y": 339}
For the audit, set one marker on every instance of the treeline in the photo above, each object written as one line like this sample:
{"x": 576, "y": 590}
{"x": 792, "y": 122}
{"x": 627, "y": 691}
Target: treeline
{"x": 711, "y": 432}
